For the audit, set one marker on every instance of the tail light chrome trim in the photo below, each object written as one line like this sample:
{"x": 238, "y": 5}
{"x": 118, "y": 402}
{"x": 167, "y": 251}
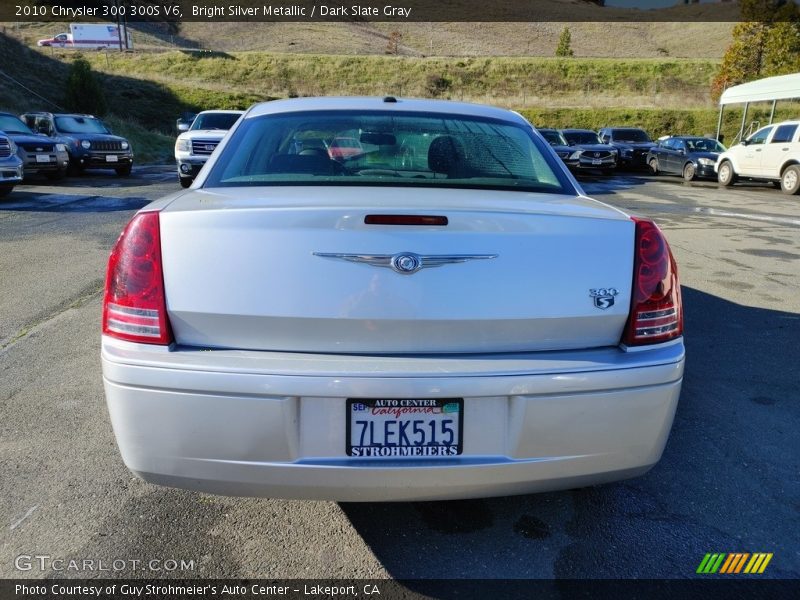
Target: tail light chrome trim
{"x": 656, "y": 313}
{"x": 134, "y": 305}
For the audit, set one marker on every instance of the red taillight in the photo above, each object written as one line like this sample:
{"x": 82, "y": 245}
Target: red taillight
{"x": 134, "y": 308}
{"x": 656, "y": 311}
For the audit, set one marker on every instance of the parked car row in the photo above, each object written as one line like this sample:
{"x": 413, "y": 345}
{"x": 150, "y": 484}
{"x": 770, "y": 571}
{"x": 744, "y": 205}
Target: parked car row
{"x": 54, "y": 145}
{"x": 770, "y": 154}
{"x": 611, "y": 147}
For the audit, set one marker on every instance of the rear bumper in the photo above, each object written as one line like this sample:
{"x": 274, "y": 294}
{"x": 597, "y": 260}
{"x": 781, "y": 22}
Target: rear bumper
{"x": 273, "y": 424}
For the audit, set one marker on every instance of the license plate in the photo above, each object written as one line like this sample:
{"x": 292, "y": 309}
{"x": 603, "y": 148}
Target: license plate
{"x": 111, "y": 158}
{"x": 404, "y": 428}
{"x": 597, "y": 161}
{"x": 43, "y": 158}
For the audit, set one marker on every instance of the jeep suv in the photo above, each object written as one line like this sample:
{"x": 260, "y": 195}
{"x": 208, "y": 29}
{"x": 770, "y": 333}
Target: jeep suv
{"x": 193, "y": 147}
{"x": 39, "y": 155}
{"x": 632, "y": 143}
{"x": 89, "y": 142}
{"x": 771, "y": 154}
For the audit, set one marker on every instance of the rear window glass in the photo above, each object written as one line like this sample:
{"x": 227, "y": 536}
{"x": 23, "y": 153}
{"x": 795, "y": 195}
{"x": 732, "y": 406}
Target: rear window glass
{"x": 380, "y": 148}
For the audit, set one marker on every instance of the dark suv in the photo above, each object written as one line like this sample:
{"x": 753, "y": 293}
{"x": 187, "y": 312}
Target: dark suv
{"x": 633, "y": 145}
{"x": 89, "y": 142}
{"x": 39, "y": 154}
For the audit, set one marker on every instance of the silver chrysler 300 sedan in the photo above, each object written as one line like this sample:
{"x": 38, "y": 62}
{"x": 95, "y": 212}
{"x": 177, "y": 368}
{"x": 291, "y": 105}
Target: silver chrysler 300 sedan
{"x": 441, "y": 314}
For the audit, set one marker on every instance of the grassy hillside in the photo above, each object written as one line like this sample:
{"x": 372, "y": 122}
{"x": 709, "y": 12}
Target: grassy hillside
{"x": 622, "y": 40}
{"x": 229, "y": 79}
{"x": 147, "y": 90}
{"x": 143, "y": 111}
{"x": 689, "y": 39}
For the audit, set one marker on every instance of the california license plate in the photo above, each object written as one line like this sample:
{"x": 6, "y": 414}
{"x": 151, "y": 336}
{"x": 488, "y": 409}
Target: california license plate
{"x": 111, "y": 158}
{"x": 43, "y": 158}
{"x": 405, "y": 428}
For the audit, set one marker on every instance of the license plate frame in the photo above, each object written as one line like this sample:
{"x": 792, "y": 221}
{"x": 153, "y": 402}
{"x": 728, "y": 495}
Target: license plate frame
{"x": 410, "y": 407}
{"x": 43, "y": 158}
{"x": 597, "y": 161}
{"x": 111, "y": 158}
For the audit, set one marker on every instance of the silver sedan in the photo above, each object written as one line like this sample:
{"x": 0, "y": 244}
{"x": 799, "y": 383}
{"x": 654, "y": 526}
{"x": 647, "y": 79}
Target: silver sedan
{"x": 442, "y": 314}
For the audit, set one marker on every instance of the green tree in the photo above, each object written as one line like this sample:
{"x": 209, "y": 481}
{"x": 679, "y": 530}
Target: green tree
{"x": 744, "y": 58}
{"x": 766, "y": 43}
{"x": 782, "y": 49}
{"x": 564, "y": 47}
{"x": 83, "y": 93}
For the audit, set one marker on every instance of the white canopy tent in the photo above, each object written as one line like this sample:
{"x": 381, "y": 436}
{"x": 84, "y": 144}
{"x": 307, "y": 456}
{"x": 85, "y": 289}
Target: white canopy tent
{"x": 770, "y": 89}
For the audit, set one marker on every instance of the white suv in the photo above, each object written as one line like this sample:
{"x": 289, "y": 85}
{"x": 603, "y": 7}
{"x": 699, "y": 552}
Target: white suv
{"x": 772, "y": 153}
{"x": 193, "y": 147}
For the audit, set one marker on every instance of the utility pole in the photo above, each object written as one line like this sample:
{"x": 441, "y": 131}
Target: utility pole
{"x": 119, "y": 23}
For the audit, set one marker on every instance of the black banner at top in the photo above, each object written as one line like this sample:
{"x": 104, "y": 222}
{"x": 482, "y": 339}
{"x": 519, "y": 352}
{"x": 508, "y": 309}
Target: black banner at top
{"x": 399, "y": 10}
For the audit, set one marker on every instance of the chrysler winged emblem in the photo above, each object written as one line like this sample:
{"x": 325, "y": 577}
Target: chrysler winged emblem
{"x": 406, "y": 263}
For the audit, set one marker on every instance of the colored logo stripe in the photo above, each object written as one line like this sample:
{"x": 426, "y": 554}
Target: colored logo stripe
{"x": 711, "y": 563}
{"x": 758, "y": 563}
{"x": 732, "y": 563}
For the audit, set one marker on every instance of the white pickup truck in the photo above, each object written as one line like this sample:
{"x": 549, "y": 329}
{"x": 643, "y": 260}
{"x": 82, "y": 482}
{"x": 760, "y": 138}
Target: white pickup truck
{"x": 771, "y": 154}
{"x": 193, "y": 147}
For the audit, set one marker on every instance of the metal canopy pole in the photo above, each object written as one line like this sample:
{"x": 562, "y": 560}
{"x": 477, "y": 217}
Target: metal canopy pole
{"x": 719, "y": 120}
{"x": 744, "y": 119}
{"x": 772, "y": 112}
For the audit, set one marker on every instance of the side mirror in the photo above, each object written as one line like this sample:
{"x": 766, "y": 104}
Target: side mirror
{"x": 183, "y": 127}
{"x": 681, "y": 150}
{"x": 606, "y": 139}
{"x": 745, "y": 142}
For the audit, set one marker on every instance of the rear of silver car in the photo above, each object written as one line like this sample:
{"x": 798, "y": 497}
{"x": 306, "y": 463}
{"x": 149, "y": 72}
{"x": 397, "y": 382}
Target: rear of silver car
{"x": 363, "y": 343}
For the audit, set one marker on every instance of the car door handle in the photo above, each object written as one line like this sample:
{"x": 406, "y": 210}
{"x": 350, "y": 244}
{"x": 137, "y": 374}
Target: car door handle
{"x": 758, "y": 149}
{"x": 785, "y": 149}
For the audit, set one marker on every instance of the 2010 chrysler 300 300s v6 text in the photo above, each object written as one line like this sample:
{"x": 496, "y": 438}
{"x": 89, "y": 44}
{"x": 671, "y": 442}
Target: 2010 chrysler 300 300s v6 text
{"x": 442, "y": 314}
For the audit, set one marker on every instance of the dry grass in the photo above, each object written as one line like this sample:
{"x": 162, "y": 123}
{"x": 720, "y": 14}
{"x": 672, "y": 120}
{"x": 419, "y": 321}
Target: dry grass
{"x": 622, "y": 40}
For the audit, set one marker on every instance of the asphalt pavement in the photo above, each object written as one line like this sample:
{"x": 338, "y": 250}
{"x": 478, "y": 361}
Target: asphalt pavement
{"x": 729, "y": 480}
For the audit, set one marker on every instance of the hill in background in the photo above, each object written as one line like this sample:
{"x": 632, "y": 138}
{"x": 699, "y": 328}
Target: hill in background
{"x": 650, "y": 81}
{"x": 617, "y": 40}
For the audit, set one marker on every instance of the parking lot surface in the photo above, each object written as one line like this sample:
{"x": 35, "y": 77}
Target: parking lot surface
{"x": 728, "y": 482}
